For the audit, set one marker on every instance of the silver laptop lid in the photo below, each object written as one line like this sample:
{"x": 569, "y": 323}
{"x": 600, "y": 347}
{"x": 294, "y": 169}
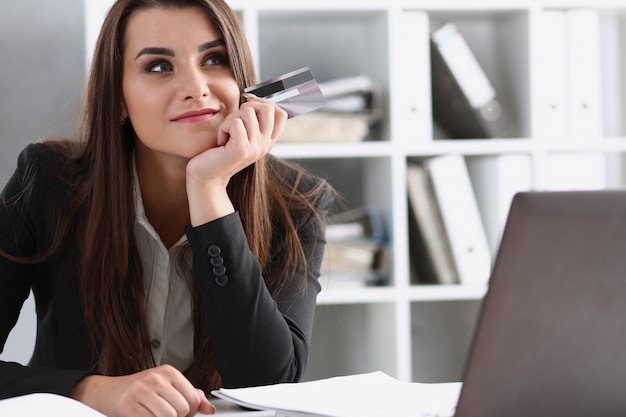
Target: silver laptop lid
{"x": 551, "y": 337}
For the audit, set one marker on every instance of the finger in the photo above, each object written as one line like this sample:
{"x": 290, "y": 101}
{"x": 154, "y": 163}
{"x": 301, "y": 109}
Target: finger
{"x": 265, "y": 113}
{"x": 138, "y": 410}
{"x": 164, "y": 406}
{"x": 251, "y": 128}
{"x": 231, "y": 128}
{"x": 154, "y": 398}
{"x": 249, "y": 114}
{"x": 271, "y": 119}
{"x": 166, "y": 391}
{"x": 190, "y": 396}
{"x": 250, "y": 96}
{"x": 231, "y": 132}
{"x": 133, "y": 405}
{"x": 280, "y": 120}
{"x": 205, "y": 405}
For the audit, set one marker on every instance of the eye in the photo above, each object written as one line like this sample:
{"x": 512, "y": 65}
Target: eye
{"x": 216, "y": 59}
{"x": 159, "y": 66}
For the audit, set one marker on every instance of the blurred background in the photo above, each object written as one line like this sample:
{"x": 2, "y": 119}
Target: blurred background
{"x": 42, "y": 75}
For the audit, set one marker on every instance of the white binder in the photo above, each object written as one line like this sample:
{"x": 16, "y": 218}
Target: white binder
{"x": 584, "y": 76}
{"x": 461, "y": 217}
{"x": 553, "y": 112}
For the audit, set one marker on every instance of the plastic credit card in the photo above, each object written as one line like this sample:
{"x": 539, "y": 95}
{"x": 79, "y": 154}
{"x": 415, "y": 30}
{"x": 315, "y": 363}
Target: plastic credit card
{"x": 296, "y": 92}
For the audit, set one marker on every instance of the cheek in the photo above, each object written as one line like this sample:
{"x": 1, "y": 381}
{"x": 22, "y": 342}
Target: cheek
{"x": 145, "y": 110}
{"x": 142, "y": 103}
{"x": 231, "y": 96}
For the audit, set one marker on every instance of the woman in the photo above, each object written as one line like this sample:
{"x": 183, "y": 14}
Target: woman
{"x": 168, "y": 252}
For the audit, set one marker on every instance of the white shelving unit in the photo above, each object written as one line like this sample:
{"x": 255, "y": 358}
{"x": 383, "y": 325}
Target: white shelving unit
{"x": 415, "y": 332}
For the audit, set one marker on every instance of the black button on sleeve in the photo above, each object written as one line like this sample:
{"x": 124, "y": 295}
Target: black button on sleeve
{"x": 214, "y": 250}
{"x": 221, "y": 280}
{"x": 219, "y": 270}
{"x": 217, "y": 261}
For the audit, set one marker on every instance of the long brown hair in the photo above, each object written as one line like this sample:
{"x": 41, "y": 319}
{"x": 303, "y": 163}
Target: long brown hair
{"x": 101, "y": 211}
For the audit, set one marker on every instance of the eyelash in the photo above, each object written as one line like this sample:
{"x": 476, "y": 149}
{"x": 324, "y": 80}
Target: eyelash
{"x": 215, "y": 55}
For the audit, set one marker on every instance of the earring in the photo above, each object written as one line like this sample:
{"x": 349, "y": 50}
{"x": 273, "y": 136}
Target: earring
{"x": 122, "y": 120}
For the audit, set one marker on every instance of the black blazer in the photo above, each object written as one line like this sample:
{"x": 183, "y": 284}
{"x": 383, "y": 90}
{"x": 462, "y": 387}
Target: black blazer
{"x": 256, "y": 340}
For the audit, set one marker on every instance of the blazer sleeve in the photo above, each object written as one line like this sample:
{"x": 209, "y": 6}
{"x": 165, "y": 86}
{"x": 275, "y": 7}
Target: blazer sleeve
{"x": 256, "y": 340}
{"x": 20, "y": 226}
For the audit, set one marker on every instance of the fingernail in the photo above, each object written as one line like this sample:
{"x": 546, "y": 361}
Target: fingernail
{"x": 248, "y": 95}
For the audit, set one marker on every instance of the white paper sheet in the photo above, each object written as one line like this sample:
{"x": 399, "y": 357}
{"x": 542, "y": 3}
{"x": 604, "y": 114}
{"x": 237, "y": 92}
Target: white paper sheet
{"x": 371, "y": 394}
{"x": 45, "y": 405}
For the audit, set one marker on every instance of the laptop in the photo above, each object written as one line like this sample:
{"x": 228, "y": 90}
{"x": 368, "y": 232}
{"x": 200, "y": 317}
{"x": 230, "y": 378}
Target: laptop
{"x": 551, "y": 335}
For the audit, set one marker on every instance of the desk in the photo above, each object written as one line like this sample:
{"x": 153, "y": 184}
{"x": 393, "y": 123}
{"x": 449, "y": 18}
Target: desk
{"x": 226, "y": 408}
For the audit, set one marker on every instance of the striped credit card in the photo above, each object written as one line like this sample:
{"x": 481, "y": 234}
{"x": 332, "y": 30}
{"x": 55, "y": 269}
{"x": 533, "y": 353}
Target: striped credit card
{"x": 296, "y": 92}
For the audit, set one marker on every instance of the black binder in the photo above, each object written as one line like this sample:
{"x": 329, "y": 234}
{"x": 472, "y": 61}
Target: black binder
{"x": 464, "y": 102}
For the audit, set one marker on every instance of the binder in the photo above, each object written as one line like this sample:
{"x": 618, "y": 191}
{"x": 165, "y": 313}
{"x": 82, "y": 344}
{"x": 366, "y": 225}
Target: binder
{"x": 570, "y": 75}
{"x": 584, "y": 73}
{"x": 552, "y": 75}
{"x": 498, "y": 179}
{"x": 431, "y": 255}
{"x": 461, "y": 218}
{"x": 464, "y": 101}
{"x": 410, "y": 76}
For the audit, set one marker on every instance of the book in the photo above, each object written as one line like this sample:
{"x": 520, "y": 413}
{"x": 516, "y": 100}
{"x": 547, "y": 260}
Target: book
{"x": 357, "y": 263}
{"x": 356, "y": 252}
{"x": 349, "y": 94}
{"x": 363, "y": 222}
{"x": 431, "y": 256}
{"x": 322, "y": 126}
{"x": 464, "y": 101}
{"x": 354, "y": 256}
{"x": 461, "y": 217}
{"x": 372, "y": 394}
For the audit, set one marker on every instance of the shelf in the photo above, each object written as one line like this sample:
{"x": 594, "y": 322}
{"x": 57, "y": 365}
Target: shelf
{"x": 370, "y": 149}
{"x": 358, "y": 295}
{"x": 425, "y": 293}
{"x": 471, "y": 147}
{"x": 606, "y": 145}
{"x": 446, "y": 292}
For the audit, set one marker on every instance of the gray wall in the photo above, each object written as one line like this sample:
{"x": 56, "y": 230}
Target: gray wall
{"x": 41, "y": 83}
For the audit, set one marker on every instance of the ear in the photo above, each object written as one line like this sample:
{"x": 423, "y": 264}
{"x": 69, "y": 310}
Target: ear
{"x": 124, "y": 114}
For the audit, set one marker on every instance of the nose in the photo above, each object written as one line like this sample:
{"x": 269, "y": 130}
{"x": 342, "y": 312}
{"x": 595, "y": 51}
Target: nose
{"x": 193, "y": 85}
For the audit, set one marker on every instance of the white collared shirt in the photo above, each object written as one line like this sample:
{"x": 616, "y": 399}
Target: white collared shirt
{"x": 168, "y": 297}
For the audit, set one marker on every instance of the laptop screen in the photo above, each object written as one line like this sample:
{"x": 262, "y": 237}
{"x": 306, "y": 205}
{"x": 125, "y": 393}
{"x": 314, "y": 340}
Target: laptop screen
{"x": 551, "y": 336}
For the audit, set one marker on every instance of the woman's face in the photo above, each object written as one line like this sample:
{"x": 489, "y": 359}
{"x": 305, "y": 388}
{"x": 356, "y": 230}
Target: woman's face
{"x": 177, "y": 83}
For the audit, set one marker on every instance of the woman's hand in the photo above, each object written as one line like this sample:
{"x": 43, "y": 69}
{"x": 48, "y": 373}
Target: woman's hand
{"x": 158, "y": 392}
{"x": 244, "y": 137}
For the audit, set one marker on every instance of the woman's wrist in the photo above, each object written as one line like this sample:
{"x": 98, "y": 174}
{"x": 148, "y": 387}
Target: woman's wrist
{"x": 82, "y": 390}
{"x": 207, "y": 202}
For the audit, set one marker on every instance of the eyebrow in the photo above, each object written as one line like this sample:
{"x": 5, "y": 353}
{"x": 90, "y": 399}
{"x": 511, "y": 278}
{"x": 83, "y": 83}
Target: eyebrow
{"x": 155, "y": 50}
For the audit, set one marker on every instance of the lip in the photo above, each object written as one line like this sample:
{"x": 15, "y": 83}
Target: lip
{"x": 195, "y": 116}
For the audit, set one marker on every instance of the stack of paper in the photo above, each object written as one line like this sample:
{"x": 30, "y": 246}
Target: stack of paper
{"x": 371, "y": 394}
